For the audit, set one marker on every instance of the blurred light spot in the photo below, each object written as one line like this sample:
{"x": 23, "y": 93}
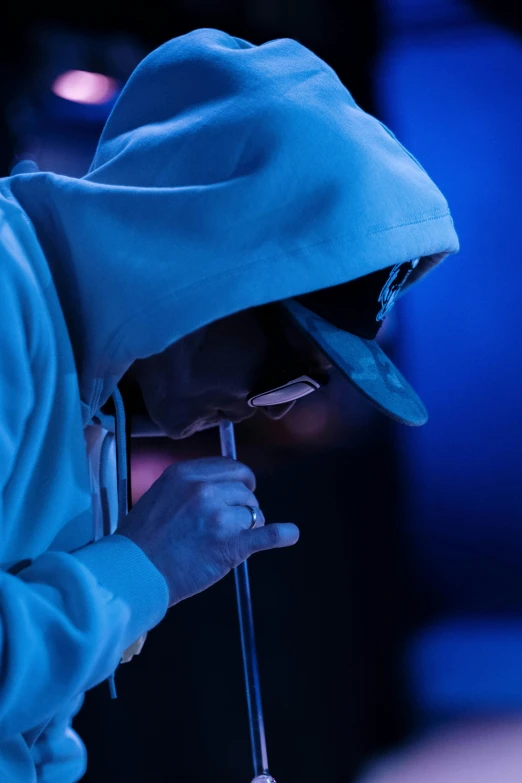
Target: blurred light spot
{"x": 85, "y": 87}
{"x": 308, "y": 422}
{"x": 146, "y": 469}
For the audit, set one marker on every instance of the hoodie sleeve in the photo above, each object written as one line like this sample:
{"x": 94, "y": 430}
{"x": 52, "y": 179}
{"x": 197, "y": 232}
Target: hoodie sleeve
{"x": 65, "y": 618}
{"x": 65, "y": 621}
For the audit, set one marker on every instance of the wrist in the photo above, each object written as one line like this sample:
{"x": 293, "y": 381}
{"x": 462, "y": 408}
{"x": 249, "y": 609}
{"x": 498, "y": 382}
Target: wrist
{"x": 122, "y": 569}
{"x": 142, "y": 544}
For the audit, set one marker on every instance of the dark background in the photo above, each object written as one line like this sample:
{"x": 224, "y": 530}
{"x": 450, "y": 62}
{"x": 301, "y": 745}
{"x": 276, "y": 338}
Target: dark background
{"x": 350, "y": 620}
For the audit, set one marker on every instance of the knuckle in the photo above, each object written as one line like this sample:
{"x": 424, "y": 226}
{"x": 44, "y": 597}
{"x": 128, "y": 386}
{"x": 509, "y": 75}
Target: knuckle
{"x": 178, "y": 469}
{"x": 170, "y": 470}
{"x": 247, "y": 476}
{"x": 272, "y": 534}
{"x": 221, "y": 518}
{"x": 204, "y": 491}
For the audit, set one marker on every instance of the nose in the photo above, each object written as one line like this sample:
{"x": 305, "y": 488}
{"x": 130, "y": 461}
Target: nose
{"x": 278, "y": 411}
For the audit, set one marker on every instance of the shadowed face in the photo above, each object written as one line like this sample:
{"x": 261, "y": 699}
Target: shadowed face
{"x": 210, "y": 374}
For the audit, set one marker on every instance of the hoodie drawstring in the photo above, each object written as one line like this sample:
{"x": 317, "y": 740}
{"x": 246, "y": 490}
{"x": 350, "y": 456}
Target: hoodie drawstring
{"x": 121, "y": 456}
{"x": 122, "y": 480}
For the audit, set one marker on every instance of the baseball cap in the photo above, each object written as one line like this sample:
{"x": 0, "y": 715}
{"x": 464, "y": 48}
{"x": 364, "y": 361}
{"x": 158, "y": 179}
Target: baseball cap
{"x": 343, "y": 322}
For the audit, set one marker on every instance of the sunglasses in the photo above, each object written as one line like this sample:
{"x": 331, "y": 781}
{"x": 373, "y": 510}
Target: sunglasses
{"x": 281, "y": 384}
{"x": 287, "y": 392}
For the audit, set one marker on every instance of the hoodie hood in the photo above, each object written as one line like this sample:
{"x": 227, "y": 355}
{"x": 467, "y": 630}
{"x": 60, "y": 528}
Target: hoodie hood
{"x": 227, "y": 176}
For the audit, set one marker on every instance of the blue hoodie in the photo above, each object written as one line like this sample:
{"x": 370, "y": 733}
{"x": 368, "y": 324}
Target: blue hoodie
{"x": 228, "y": 176}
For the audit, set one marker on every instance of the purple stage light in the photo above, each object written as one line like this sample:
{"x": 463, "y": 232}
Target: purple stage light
{"x": 85, "y": 87}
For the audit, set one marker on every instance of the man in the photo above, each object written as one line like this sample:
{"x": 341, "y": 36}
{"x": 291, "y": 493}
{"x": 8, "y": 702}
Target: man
{"x": 232, "y": 186}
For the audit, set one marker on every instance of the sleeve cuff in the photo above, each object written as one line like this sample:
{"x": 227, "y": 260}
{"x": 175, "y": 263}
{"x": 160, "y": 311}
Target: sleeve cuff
{"x": 123, "y": 569}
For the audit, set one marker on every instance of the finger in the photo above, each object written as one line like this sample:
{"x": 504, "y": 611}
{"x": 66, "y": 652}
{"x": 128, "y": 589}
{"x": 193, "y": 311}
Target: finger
{"x": 239, "y": 519}
{"x": 235, "y": 493}
{"x": 273, "y": 536}
{"x": 216, "y": 469}
{"x": 259, "y": 517}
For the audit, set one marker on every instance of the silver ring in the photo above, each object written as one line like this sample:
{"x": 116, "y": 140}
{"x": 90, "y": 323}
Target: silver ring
{"x": 254, "y": 516}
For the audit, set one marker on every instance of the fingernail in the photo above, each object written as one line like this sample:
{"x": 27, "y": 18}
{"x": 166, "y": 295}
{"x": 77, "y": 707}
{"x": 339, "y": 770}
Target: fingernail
{"x": 289, "y": 533}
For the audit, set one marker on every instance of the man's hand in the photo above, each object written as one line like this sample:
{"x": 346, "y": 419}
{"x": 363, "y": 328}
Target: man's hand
{"x": 194, "y": 527}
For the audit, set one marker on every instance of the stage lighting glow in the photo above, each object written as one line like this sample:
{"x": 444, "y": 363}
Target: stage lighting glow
{"x": 309, "y": 422}
{"x": 85, "y": 87}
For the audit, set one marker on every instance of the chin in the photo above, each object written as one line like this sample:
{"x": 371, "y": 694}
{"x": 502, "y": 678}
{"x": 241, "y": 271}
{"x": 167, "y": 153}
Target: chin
{"x": 190, "y": 429}
{"x": 206, "y": 424}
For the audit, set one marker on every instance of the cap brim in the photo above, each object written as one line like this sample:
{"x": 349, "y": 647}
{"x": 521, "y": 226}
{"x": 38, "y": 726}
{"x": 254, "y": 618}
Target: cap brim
{"x": 364, "y": 364}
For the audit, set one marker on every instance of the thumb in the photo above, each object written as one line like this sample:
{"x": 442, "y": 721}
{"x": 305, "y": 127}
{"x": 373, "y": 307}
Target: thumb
{"x": 270, "y": 536}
